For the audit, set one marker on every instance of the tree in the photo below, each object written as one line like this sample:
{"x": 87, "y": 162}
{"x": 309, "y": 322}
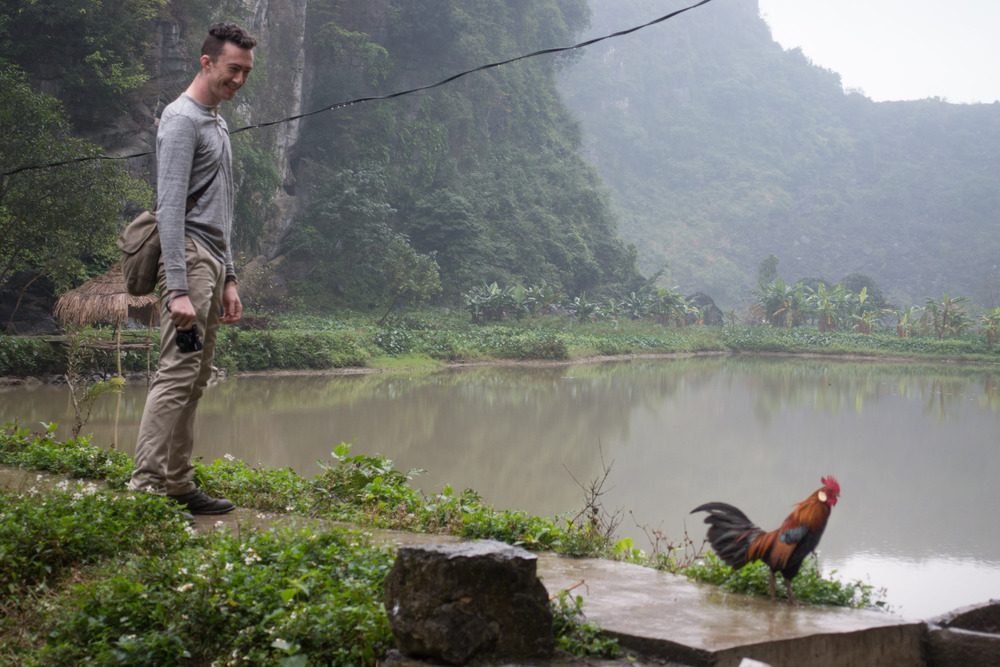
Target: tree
{"x": 408, "y": 275}
{"x": 767, "y": 272}
{"x": 93, "y": 53}
{"x": 59, "y": 221}
{"x": 857, "y": 281}
{"x": 350, "y": 248}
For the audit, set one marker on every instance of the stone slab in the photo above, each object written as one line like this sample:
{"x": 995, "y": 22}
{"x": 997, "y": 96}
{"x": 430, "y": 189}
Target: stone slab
{"x": 666, "y": 615}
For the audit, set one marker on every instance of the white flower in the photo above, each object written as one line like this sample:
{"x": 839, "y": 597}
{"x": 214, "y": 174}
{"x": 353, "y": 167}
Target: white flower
{"x": 185, "y": 587}
{"x": 229, "y": 457}
{"x": 229, "y": 567}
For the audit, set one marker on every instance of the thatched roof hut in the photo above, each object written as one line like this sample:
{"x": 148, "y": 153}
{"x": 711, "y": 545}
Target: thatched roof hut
{"x": 104, "y": 300}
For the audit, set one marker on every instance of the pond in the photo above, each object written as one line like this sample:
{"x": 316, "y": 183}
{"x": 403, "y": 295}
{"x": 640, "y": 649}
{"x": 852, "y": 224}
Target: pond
{"x": 916, "y": 448}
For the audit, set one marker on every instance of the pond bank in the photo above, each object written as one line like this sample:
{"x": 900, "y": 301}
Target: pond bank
{"x": 659, "y": 618}
{"x": 136, "y": 377}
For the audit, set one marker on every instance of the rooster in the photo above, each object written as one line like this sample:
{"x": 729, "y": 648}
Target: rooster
{"x": 737, "y": 541}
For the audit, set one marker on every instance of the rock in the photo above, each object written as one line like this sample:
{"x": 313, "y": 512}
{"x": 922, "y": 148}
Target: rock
{"x": 468, "y": 601}
{"x": 967, "y": 636}
{"x": 30, "y": 300}
{"x": 711, "y": 314}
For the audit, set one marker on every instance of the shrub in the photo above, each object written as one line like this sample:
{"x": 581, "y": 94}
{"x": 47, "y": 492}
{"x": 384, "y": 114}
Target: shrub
{"x": 575, "y": 634}
{"x": 43, "y": 535}
{"x": 271, "y": 598}
{"x": 809, "y": 586}
{"x": 75, "y": 457}
{"x": 289, "y": 349}
{"x": 29, "y": 356}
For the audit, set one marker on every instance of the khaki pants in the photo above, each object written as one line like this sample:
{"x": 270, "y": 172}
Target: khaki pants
{"x": 166, "y": 433}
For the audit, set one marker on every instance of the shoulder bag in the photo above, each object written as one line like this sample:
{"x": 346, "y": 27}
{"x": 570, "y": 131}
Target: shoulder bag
{"x": 140, "y": 246}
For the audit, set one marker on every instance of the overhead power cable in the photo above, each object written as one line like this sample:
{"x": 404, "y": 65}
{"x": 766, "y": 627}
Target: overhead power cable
{"x": 389, "y": 96}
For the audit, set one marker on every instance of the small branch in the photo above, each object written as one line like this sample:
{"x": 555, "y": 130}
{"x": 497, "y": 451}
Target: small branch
{"x": 567, "y": 590}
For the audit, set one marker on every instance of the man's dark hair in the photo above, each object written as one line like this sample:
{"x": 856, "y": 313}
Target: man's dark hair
{"x": 220, "y": 33}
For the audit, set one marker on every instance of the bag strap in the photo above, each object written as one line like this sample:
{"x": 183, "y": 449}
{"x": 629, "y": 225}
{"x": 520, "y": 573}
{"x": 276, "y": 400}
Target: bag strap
{"x": 193, "y": 198}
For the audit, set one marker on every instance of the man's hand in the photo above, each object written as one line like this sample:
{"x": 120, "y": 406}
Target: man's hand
{"x": 181, "y": 312}
{"x": 232, "y": 308}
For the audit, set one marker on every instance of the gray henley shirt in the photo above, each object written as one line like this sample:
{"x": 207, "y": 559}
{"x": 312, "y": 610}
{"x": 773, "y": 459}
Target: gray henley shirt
{"x": 191, "y": 143}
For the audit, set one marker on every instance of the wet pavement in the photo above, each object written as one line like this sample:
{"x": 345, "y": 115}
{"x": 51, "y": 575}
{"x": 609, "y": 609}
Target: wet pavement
{"x": 664, "y": 619}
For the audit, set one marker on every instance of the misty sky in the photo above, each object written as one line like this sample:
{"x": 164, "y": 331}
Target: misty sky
{"x": 897, "y": 49}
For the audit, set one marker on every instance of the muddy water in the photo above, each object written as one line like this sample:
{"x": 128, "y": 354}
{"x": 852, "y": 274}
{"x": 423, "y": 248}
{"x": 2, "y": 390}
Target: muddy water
{"x": 916, "y": 448}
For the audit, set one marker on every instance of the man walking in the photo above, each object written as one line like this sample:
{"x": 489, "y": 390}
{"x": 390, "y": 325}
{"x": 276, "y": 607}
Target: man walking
{"x": 196, "y": 277}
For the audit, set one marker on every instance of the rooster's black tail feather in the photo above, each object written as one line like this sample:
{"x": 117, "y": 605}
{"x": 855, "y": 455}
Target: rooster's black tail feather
{"x": 731, "y": 533}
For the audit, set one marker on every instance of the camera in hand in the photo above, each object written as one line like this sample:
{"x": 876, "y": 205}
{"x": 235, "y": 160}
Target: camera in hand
{"x": 188, "y": 341}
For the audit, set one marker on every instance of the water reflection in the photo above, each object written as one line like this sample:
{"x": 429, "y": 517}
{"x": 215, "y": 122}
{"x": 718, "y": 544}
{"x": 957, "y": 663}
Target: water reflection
{"x": 916, "y": 447}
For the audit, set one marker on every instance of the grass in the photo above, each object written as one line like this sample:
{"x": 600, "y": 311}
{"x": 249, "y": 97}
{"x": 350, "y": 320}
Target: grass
{"x": 809, "y": 585}
{"x": 433, "y": 338}
{"x": 90, "y": 572}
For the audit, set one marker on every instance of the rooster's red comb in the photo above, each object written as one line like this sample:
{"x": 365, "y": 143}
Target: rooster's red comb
{"x": 831, "y": 483}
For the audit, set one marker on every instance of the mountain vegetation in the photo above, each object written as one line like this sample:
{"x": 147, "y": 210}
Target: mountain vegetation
{"x": 699, "y": 141}
{"x": 482, "y": 177}
{"x": 722, "y": 149}
{"x": 59, "y": 221}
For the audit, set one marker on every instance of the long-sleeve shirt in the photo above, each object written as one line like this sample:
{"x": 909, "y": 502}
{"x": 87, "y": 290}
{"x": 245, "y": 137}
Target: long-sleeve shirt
{"x": 192, "y": 142}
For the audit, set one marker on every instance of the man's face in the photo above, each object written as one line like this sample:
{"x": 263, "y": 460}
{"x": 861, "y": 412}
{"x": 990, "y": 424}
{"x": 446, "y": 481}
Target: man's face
{"x": 229, "y": 71}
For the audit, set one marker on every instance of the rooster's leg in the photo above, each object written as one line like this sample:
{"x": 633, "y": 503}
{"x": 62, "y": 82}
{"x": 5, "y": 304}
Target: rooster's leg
{"x": 770, "y": 584}
{"x": 788, "y": 587}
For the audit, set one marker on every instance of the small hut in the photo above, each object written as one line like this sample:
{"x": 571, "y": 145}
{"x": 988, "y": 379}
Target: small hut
{"x": 104, "y": 300}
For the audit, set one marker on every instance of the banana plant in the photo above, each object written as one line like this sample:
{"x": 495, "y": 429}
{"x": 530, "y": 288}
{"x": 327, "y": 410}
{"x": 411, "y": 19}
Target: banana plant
{"x": 831, "y": 306}
{"x": 991, "y": 326}
{"x": 784, "y": 305}
{"x": 489, "y": 303}
{"x": 670, "y": 306}
{"x": 946, "y": 317}
{"x": 864, "y": 317}
{"x": 906, "y": 320}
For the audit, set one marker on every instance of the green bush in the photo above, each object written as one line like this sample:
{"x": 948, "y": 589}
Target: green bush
{"x": 522, "y": 344}
{"x": 810, "y": 339}
{"x": 289, "y": 349}
{"x": 271, "y": 598}
{"x": 21, "y": 357}
{"x": 575, "y": 634}
{"x": 259, "y": 487}
{"x": 808, "y": 586}
{"x": 42, "y": 535}
{"x": 75, "y": 458}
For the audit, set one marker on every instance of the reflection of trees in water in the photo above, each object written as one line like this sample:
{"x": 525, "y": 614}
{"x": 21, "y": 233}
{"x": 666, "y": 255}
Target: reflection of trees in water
{"x": 758, "y": 432}
{"x": 510, "y": 431}
{"x": 831, "y": 386}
